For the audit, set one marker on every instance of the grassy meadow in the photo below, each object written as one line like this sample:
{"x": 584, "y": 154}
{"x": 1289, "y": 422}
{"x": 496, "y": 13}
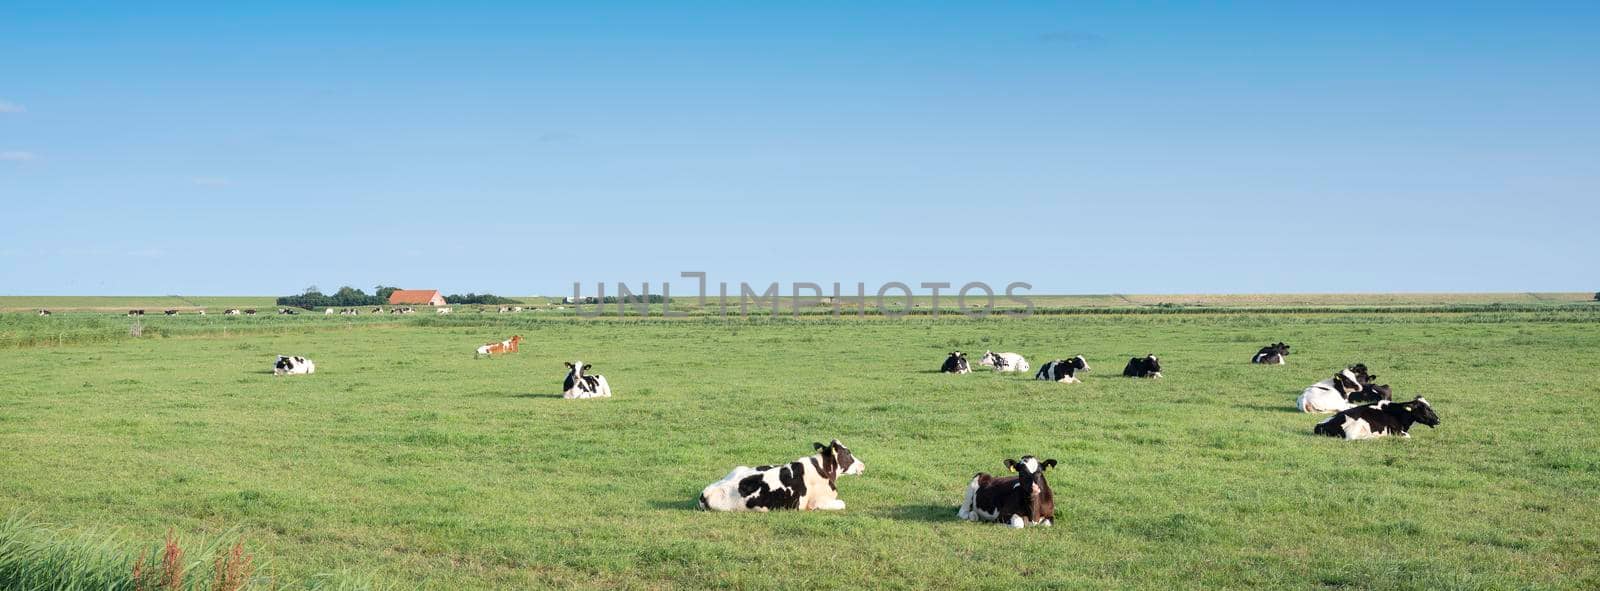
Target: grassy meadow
{"x": 406, "y": 463}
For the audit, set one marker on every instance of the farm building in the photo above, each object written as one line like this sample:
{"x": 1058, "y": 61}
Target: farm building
{"x": 416, "y": 297}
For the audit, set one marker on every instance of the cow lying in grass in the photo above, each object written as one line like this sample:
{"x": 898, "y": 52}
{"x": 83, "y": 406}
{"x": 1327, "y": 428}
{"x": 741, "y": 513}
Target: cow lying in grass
{"x": 805, "y": 484}
{"x": 1143, "y": 367}
{"x": 1018, "y": 501}
{"x": 1345, "y": 389}
{"x": 293, "y": 365}
{"x": 1378, "y": 419}
{"x": 578, "y": 385}
{"x": 1003, "y": 362}
{"x": 506, "y": 346}
{"x": 956, "y": 363}
{"x": 1063, "y": 370}
{"x": 1273, "y": 354}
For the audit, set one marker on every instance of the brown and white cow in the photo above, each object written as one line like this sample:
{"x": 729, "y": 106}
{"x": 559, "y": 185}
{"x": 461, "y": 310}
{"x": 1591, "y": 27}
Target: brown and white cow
{"x": 505, "y": 346}
{"x": 805, "y": 484}
{"x": 1018, "y": 501}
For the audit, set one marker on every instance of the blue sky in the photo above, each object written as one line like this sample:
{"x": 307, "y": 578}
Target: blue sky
{"x": 1082, "y": 147}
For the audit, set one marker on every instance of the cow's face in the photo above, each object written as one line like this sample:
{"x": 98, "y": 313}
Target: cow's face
{"x": 848, "y": 462}
{"x": 1030, "y": 471}
{"x": 1080, "y": 363}
{"x": 577, "y": 367}
{"x": 1359, "y": 372}
{"x": 1422, "y": 412}
{"x": 1152, "y": 364}
{"x": 990, "y": 359}
{"x": 1347, "y": 381}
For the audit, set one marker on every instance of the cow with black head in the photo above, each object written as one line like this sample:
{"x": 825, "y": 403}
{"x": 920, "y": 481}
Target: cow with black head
{"x": 1379, "y": 419}
{"x": 580, "y": 385}
{"x": 1273, "y": 354}
{"x": 956, "y": 363}
{"x": 804, "y": 484}
{"x": 1143, "y": 367}
{"x": 1334, "y": 394}
{"x": 1063, "y": 370}
{"x": 1372, "y": 393}
{"x": 291, "y": 365}
{"x": 1018, "y": 501}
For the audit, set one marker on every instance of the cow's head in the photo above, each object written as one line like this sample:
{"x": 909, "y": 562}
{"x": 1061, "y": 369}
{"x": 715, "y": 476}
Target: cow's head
{"x": 989, "y": 359}
{"x": 848, "y": 463}
{"x": 1281, "y": 348}
{"x": 1030, "y": 471}
{"x": 1079, "y": 363}
{"x": 578, "y": 367}
{"x": 1152, "y": 364}
{"x": 1420, "y": 412}
{"x": 1348, "y": 382}
{"x": 1373, "y": 393}
{"x": 1359, "y": 371}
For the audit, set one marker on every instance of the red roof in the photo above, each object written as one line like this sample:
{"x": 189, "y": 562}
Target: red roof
{"x": 413, "y": 296}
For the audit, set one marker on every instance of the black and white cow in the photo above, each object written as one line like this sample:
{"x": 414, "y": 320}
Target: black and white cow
{"x": 1063, "y": 370}
{"x": 44, "y": 312}
{"x": 1003, "y": 362}
{"x": 250, "y": 312}
{"x": 1018, "y": 501}
{"x": 1378, "y": 419}
{"x": 1143, "y": 367}
{"x": 288, "y": 365}
{"x": 170, "y": 312}
{"x": 231, "y": 312}
{"x": 1273, "y": 354}
{"x": 805, "y": 484}
{"x": 579, "y": 385}
{"x": 956, "y": 363}
{"x": 1372, "y": 393}
{"x": 1334, "y": 394}
{"x": 136, "y": 312}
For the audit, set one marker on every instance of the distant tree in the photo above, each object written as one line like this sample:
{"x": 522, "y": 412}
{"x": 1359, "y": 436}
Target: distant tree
{"x": 311, "y": 290}
{"x": 383, "y": 292}
{"x": 476, "y": 298}
{"x": 1597, "y": 296}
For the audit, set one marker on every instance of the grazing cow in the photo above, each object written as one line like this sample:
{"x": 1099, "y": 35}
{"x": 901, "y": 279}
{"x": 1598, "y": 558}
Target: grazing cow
{"x": 293, "y": 365}
{"x": 805, "y": 484}
{"x": 377, "y": 310}
{"x": 136, "y": 312}
{"x": 578, "y": 385}
{"x": 1018, "y": 501}
{"x": 44, "y": 312}
{"x": 1333, "y": 394}
{"x": 1378, "y": 419}
{"x": 287, "y": 311}
{"x": 1273, "y": 354}
{"x": 515, "y": 309}
{"x": 441, "y": 310}
{"x": 1063, "y": 370}
{"x": 1143, "y": 367}
{"x": 250, "y": 312}
{"x": 505, "y": 346}
{"x": 231, "y": 312}
{"x": 1003, "y": 361}
{"x": 202, "y": 312}
{"x": 170, "y": 312}
{"x": 327, "y": 312}
{"x": 956, "y": 363}
{"x": 504, "y": 310}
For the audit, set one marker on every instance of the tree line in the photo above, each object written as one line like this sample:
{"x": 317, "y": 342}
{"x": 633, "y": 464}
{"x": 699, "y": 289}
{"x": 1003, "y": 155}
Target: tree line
{"x": 350, "y": 297}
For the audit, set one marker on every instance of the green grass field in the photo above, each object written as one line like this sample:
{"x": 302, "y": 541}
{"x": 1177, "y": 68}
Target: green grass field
{"x": 408, "y": 463}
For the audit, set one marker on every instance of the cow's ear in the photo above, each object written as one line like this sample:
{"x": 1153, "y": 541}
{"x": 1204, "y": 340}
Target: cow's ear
{"x": 568, "y": 364}
{"x": 1011, "y": 464}
{"x": 1051, "y": 463}
{"x": 818, "y": 446}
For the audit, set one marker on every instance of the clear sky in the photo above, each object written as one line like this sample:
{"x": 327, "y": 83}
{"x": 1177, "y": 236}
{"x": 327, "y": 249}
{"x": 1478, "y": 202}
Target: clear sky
{"x": 1084, "y": 147}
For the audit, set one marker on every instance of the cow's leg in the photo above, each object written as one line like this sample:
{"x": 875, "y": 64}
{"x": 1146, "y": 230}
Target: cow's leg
{"x": 1018, "y": 522}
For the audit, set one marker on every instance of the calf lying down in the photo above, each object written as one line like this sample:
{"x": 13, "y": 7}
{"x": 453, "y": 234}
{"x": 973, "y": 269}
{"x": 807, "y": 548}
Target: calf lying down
{"x": 1018, "y": 501}
{"x": 804, "y": 484}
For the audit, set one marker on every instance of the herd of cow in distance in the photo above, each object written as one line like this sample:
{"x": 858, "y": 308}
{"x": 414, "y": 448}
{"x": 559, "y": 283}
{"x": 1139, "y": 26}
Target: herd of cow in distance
{"x": 1362, "y": 409}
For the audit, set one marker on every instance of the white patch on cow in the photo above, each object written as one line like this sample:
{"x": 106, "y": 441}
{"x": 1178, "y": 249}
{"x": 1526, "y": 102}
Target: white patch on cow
{"x": 293, "y": 366}
{"x": 1032, "y": 464}
{"x": 1355, "y": 428}
{"x": 1018, "y": 522}
{"x": 1323, "y": 397}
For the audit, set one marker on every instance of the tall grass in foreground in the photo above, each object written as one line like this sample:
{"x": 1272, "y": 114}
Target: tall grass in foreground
{"x": 35, "y": 557}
